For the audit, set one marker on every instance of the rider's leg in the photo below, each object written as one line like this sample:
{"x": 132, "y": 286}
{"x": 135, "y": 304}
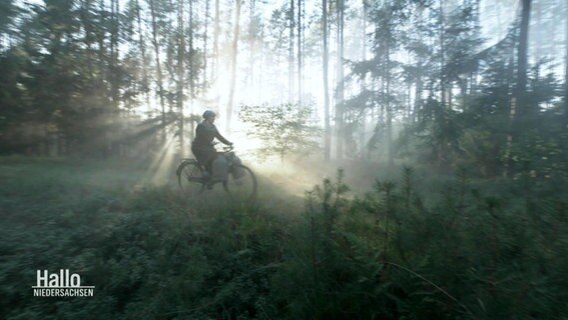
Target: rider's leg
{"x": 211, "y": 156}
{"x": 205, "y": 156}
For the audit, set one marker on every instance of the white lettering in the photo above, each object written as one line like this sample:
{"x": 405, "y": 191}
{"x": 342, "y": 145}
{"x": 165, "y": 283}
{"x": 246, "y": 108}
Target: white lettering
{"x": 75, "y": 280}
{"x": 53, "y": 280}
{"x": 67, "y": 292}
{"x": 61, "y": 284}
{"x": 42, "y": 279}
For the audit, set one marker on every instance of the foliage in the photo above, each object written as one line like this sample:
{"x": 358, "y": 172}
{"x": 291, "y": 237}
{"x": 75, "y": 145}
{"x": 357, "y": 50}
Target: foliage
{"x": 422, "y": 247}
{"x": 76, "y": 70}
{"x": 440, "y": 242}
{"x": 149, "y": 253}
{"x": 468, "y": 254}
{"x": 284, "y": 129}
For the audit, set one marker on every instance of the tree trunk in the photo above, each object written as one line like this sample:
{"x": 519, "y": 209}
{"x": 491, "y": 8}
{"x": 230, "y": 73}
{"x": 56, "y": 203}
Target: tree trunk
{"x": 192, "y": 71}
{"x": 419, "y": 81}
{"x": 216, "y": 31}
{"x": 522, "y": 62}
{"x": 102, "y": 52}
{"x": 417, "y": 96}
{"x": 250, "y": 76}
{"x": 299, "y": 49}
{"x": 114, "y": 77}
{"x": 86, "y": 21}
{"x": 339, "y": 124}
{"x": 180, "y": 76}
{"x": 205, "y": 43}
{"x": 538, "y": 32}
{"x": 327, "y": 134}
{"x": 442, "y": 55}
{"x": 291, "y": 52}
{"x": 142, "y": 45}
{"x": 234, "y": 55}
{"x": 566, "y": 63}
{"x": 363, "y": 126}
{"x": 158, "y": 65}
{"x": 388, "y": 106}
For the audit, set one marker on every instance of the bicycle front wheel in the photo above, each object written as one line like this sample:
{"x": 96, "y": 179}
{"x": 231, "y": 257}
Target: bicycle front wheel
{"x": 241, "y": 184}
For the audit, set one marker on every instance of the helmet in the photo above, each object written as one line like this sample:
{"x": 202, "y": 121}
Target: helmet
{"x": 208, "y": 114}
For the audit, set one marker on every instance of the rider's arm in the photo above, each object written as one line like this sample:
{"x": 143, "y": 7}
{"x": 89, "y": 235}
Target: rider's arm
{"x": 221, "y": 138}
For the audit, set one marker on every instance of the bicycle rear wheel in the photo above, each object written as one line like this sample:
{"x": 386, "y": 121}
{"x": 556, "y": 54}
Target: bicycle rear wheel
{"x": 242, "y": 188}
{"x": 190, "y": 177}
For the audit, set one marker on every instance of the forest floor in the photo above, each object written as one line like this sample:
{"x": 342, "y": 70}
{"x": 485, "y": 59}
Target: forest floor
{"x": 153, "y": 253}
{"x": 64, "y": 213}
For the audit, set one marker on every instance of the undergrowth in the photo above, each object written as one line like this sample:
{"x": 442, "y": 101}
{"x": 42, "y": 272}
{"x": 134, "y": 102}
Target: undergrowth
{"x": 463, "y": 250}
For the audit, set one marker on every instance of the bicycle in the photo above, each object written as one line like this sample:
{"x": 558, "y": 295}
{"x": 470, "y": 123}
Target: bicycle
{"x": 240, "y": 182}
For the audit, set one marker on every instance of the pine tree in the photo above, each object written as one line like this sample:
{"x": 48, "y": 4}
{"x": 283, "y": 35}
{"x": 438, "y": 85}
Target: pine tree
{"x": 234, "y": 55}
{"x": 325, "y": 61}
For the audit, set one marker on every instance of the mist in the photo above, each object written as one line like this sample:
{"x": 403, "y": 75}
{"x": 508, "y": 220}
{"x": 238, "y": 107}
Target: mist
{"x": 358, "y": 159}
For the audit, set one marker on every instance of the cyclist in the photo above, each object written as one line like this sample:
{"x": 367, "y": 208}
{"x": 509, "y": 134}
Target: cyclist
{"x": 202, "y": 145}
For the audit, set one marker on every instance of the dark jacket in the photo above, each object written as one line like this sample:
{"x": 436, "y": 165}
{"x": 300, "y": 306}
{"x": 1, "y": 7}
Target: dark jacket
{"x": 202, "y": 145}
{"x": 205, "y": 133}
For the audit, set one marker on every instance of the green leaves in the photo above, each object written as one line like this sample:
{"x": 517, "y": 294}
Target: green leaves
{"x": 417, "y": 247}
{"x": 283, "y": 129}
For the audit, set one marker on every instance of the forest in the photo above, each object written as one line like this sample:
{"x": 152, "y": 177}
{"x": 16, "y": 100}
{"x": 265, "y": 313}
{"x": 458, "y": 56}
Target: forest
{"x": 409, "y": 158}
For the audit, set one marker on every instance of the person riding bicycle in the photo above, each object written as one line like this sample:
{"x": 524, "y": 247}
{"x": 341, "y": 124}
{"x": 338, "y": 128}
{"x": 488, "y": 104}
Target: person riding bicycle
{"x": 202, "y": 145}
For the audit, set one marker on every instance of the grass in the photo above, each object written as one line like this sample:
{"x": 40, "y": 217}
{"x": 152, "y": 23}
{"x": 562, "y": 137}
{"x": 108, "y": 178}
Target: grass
{"x": 424, "y": 247}
{"x": 119, "y": 234}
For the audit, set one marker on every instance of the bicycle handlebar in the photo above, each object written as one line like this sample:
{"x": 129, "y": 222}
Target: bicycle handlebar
{"x": 228, "y": 148}
{"x": 225, "y": 148}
